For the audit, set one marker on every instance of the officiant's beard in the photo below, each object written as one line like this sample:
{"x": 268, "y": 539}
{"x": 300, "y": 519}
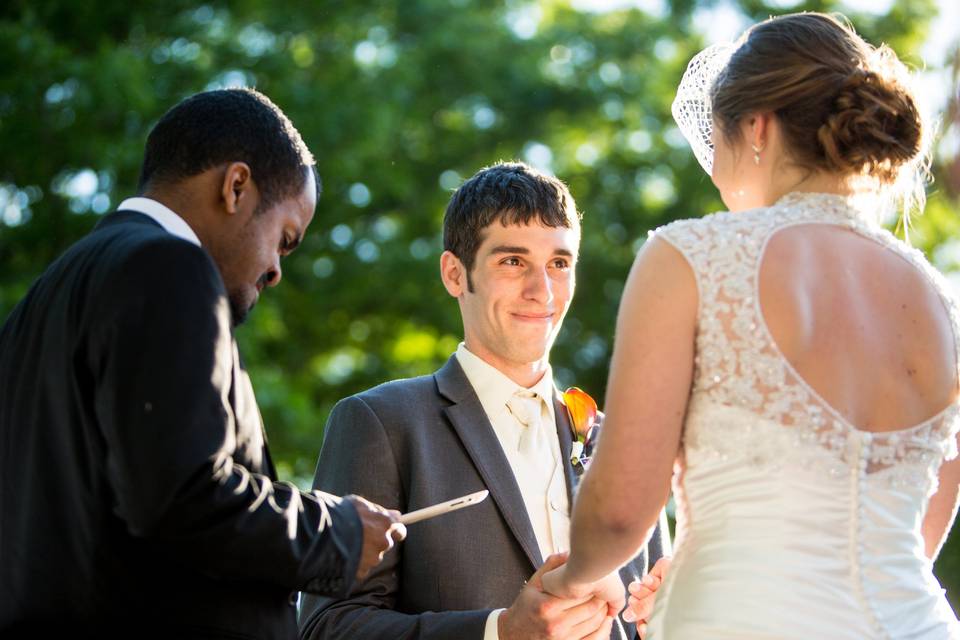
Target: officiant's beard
{"x": 240, "y": 308}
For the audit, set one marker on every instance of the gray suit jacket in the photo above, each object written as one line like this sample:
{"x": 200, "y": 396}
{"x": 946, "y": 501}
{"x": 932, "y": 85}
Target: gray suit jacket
{"x": 409, "y": 444}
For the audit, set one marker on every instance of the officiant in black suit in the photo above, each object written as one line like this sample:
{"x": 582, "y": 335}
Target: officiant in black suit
{"x": 490, "y": 418}
{"x": 137, "y": 494}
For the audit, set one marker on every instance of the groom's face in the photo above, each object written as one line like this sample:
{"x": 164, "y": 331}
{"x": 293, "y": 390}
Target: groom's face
{"x": 523, "y": 281}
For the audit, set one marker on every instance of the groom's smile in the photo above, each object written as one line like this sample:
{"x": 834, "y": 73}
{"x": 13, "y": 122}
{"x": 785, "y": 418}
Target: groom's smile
{"x": 534, "y": 317}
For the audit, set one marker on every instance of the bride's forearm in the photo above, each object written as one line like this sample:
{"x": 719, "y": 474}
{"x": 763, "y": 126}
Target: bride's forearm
{"x": 604, "y": 535}
{"x": 651, "y": 373}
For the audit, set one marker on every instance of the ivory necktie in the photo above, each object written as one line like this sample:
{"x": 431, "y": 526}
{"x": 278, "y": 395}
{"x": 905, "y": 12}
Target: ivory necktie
{"x": 526, "y": 407}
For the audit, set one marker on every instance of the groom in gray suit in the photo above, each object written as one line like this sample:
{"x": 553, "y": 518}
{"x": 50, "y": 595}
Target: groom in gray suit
{"x": 490, "y": 418}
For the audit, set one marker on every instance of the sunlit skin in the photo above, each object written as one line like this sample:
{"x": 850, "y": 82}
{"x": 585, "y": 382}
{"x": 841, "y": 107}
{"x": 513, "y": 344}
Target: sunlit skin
{"x": 220, "y": 205}
{"x": 523, "y": 281}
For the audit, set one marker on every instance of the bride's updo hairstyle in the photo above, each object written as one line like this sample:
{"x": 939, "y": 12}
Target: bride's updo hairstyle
{"x": 843, "y": 105}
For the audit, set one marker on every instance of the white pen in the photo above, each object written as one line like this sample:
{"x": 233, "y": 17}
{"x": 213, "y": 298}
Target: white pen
{"x": 444, "y": 507}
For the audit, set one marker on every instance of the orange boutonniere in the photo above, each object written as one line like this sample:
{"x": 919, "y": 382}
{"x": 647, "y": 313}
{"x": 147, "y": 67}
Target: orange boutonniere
{"x": 583, "y": 413}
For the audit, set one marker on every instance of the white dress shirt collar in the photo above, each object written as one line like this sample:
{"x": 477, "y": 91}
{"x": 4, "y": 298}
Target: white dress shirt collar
{"x": 163, "y": 215}
{"x": 494, "y": 388}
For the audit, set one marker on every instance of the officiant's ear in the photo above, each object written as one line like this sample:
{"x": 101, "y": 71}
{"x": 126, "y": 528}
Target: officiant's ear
{"x": 237, "y": 189}
{"x": 453, "y": 274}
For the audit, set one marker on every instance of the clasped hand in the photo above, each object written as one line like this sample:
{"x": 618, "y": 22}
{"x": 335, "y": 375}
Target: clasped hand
{"x": 609, "y": 591}
{"x": 538, "y": 614}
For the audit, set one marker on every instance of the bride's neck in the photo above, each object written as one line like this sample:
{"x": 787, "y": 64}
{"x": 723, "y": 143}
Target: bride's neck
{"x": 809, "y": 182}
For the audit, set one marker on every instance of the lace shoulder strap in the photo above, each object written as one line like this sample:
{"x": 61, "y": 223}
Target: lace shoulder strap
{"x": 690, "y": 236}
{"x": 722, "y": 249}
{"x": 687, "y": 237}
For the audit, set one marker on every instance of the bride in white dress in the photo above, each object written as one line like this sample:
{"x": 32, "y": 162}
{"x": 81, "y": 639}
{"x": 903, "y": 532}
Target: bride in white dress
{"x": 798, "y": 361}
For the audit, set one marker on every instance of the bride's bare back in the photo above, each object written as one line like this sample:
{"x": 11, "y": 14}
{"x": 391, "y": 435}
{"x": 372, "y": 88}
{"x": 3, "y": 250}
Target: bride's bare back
{"x": 864, "y": 328}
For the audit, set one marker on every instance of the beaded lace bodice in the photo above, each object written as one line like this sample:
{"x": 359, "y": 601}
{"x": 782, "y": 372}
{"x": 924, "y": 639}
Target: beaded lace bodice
{"x": 739, "y": 367}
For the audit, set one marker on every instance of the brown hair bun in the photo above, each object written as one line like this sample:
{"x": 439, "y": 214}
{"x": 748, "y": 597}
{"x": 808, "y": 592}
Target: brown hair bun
{"x": 874, "y": 127}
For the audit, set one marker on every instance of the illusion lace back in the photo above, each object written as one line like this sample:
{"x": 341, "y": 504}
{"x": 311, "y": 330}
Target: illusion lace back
{"x": 791, "y": 522}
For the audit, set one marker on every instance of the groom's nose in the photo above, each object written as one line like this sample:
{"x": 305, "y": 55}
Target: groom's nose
{"x": 538, "y": 286}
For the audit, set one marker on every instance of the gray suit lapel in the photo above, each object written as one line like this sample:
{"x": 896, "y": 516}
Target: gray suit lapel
{"x": 470, "y": 422}
{"x": 565, "y": 436}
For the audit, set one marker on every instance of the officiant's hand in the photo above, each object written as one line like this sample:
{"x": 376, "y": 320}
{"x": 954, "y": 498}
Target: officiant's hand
{"x": 536, "y": 615}
{"x": 381, "y": 528}
{"x": 642, "y": 595}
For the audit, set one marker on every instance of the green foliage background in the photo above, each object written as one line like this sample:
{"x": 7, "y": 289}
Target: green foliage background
{"x": 399, "y": 101}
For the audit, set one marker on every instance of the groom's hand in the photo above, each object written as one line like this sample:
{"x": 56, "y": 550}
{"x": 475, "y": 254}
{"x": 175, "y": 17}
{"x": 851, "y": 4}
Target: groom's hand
{"x": 381, "y": 528}
{"x": 536, "y": 615}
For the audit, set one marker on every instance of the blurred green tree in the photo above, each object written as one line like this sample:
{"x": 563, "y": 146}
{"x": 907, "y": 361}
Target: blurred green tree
{"x": 399, "y": 101}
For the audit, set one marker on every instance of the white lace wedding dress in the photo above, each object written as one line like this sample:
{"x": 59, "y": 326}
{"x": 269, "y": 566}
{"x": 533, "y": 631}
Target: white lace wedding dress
{"x": 791, "y": 523}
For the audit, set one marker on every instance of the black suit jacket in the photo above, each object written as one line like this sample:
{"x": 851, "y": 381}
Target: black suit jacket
{"x": 409, "y": 444}
{"x": 137, "y": 494}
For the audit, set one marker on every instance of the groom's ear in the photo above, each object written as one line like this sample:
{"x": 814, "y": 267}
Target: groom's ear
{"x": 453, "y": 274}
{"x": 237, "y": 191}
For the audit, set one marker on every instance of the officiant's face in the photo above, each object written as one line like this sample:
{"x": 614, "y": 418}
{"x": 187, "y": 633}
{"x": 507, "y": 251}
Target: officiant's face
{"x": 523, "y": 280}
{"x": 252, "y": 261}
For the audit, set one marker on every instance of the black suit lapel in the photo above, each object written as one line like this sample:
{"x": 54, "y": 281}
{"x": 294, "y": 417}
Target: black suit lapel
{"x": 470, "y": 422}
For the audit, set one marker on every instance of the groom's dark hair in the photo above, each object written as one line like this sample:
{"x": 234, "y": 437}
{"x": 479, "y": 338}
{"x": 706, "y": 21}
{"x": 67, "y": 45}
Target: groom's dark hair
{"x": 229, "y": 125}
{"x": 506, "y": 193}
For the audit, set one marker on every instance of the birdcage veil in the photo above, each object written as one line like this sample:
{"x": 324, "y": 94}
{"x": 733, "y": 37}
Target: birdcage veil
{"x": 692, "y": 108}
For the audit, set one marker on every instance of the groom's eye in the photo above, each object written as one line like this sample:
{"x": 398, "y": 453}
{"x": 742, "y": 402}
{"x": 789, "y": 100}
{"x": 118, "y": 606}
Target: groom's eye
{"x": 512, "y": 261}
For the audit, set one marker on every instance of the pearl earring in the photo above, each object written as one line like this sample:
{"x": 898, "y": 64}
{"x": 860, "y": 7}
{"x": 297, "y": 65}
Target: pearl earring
{"x": 756, "y": 154}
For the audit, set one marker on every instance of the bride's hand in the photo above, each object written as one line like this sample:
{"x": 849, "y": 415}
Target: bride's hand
{"x": 609, "y": 589}
{"x": 643, "y": 593}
